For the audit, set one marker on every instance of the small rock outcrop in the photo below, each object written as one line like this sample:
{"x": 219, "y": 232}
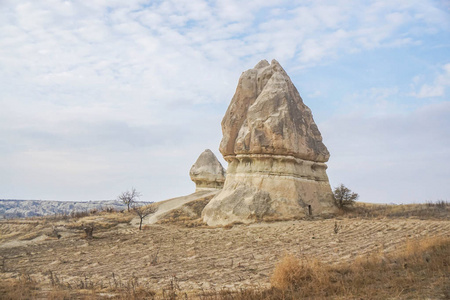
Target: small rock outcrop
{"x": 207, "y": 172}
{"x": 275, "y": 154}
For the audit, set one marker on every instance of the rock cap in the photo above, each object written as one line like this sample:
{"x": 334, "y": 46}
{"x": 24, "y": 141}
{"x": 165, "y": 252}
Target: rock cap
{"x": 207, "y": 172}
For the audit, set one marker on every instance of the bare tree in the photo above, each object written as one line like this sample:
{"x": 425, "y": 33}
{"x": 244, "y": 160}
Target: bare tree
{"x": 143, "y": 211}
{"x": 129, "y": 197}
{"x": 344, "y": 197}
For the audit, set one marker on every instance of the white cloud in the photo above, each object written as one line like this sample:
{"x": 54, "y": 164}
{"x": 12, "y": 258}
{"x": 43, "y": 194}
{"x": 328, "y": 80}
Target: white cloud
{"x": 427, "y": 91}
{"x": 111, "y": 87}
{"x": 371, "y": 102}
{"x": 438, "y": 87}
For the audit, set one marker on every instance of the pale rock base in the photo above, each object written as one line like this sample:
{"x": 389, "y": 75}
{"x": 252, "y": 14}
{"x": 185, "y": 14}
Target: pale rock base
{"x": 270, "y": 187}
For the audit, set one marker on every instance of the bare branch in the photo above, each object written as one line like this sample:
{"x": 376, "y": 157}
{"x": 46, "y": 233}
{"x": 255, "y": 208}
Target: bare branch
{"x": 144, "y": 211}
{"x": 129, "y": 197}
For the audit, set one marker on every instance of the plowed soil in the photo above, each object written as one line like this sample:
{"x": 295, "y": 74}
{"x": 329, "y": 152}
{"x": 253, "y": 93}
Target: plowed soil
{"x": 199, "y": 258}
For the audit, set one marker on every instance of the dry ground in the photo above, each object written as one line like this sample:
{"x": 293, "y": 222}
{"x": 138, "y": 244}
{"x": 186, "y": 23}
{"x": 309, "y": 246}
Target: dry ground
{"x": 191, "y": 259}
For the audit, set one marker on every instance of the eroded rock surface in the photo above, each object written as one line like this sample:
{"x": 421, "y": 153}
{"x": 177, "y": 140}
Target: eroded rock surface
{"x": 207, "y": 172}
{"x": 275, "y": 153}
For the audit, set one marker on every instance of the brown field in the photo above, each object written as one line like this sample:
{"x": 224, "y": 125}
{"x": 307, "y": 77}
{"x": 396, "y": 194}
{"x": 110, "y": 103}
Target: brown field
{"x": 347, "y": 257}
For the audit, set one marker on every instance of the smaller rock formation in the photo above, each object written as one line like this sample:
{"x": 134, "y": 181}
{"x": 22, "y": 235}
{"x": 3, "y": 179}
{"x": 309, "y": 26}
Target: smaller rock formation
{"x": 207, "y": 172}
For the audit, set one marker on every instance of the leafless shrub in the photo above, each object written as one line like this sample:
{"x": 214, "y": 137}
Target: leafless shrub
{"x": 54, "y": 280}
{"x": 438, "y": 204}
{"x": 89, "y": 230}
{"x": 110, "y": 209}
{"x": 144, "y": 211}
{"x": 129, "y": 197}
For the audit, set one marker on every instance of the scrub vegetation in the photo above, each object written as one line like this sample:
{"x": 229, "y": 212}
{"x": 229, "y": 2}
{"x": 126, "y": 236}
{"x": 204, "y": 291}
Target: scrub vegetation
{"x": 370, "y": 251}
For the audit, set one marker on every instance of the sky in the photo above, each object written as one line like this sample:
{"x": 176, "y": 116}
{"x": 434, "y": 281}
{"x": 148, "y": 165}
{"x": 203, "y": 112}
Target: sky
{"x": 100, "y": 96}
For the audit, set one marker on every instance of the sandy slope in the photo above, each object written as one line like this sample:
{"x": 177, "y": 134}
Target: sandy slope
{"x": 174, "y": 203}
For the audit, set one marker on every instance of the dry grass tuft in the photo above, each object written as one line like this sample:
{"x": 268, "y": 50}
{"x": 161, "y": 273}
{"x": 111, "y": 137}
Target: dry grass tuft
{"x": 439, "y": 210}
{"x": 101, "y": 221}
{"x": 420, "y": 269}
{"x": 288, "y": 272}
{"x": 302, "y": 278}
{"x": 22, "y": 288}
{"x": 26, "y": 288}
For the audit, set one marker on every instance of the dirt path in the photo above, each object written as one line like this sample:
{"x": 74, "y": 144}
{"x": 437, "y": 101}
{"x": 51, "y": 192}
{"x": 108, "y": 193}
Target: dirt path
{"x": 208, "y": 258}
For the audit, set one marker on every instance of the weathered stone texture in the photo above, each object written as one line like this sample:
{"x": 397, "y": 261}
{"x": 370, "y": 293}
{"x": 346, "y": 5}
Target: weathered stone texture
{"x": 268, "y": 116}
{"x": 275, "y": 153}
{"x": 207, "y": 172}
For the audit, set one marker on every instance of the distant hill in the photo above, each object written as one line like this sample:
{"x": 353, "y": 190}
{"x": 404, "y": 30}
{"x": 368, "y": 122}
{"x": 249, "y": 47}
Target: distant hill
{"x": 33, "y": 208}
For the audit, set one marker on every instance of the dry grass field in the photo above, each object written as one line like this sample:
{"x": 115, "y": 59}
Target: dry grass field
{"x": 369, "y": 252}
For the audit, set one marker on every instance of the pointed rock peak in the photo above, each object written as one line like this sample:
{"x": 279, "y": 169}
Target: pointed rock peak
{"x": 277, "y": 67}
{"x": 275, "y": 62}
{"x": 207, "y": 151}
{"x": 262, "y": 64}
{"x": 268, "y": 116}
{"x": 275, "y": 154}
{"x": 207, "y": 157}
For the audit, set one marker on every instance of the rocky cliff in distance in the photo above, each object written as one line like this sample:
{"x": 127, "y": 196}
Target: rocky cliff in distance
{"x": 35, "y": 208}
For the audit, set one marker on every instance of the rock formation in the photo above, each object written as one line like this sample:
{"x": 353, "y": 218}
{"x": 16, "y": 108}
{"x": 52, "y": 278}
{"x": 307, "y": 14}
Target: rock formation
{"x": 276, "y": 158}
{"x": 207, "y": 172}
